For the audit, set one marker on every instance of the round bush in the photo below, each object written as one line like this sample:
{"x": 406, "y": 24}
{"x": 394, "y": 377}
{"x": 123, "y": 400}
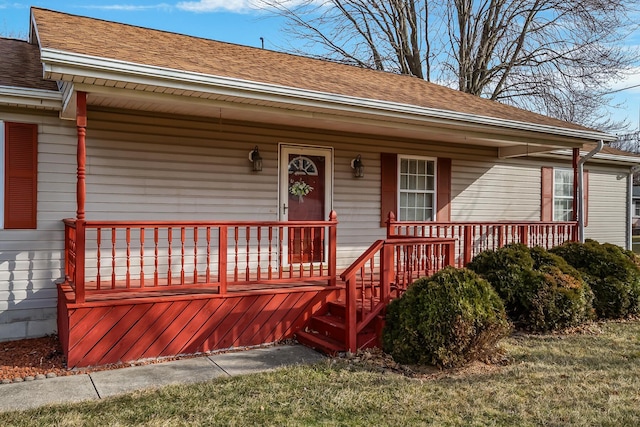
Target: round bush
{"x": 541, "y": 291}
{"x": 612, "y": 273}
{"x": 448, "y": 320}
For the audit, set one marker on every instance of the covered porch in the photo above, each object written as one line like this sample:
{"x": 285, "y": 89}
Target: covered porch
{"x": 148, "y": 288}
{"x": 135, "y": 289}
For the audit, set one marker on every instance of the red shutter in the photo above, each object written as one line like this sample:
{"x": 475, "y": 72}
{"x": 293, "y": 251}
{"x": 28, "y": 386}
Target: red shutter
{"x": 546, "y": 205}
{"x": 585, "y": 186}
{"x": 388, "y": 186}
{"x": 20, "y": 184}
{"x": 444, "y": 189}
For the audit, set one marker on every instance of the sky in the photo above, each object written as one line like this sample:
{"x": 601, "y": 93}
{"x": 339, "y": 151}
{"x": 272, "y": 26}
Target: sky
{"x": 233, "y": 21}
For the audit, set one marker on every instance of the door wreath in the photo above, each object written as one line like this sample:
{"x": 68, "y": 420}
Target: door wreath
{"x": 299, "y": 188}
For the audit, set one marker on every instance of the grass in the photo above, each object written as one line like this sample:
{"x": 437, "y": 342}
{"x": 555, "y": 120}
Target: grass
{"x": 551, "y": 380}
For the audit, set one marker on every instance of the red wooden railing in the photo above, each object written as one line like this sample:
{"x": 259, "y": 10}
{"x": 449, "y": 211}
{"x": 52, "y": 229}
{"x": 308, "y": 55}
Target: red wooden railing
{"x": 475, "y": 237}
{"x": 146, "y": 255}
{"x": 384, "y": 271}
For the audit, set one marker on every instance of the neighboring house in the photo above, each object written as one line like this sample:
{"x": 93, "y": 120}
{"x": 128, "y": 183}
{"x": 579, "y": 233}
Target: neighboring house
{"x": 635, "y": 217}
{"x": 200, "y": 182}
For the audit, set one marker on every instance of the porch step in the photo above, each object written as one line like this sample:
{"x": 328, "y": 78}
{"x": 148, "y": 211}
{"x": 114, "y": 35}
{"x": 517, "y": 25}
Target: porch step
{"x": 330, "y": 326}
{"x": 319, "y": 342}
{"x": 339, "y": 308}
{"x": 326, "y": 330}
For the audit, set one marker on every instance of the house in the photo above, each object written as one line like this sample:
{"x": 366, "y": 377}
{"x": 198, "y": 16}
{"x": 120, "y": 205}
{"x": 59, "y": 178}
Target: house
{"x": 166, "y": 194}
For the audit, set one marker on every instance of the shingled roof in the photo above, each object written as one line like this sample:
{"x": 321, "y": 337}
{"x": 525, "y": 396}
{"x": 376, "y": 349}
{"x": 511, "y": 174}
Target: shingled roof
{"x": 97, "y": 38}
{"x": 20, "y": 66}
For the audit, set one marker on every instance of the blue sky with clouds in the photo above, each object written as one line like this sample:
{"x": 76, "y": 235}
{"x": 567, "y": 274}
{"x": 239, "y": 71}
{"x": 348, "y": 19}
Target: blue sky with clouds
{"x": 233, "y": 21}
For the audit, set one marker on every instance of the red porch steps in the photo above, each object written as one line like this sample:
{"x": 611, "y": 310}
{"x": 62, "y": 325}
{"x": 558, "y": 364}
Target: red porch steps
{"x": 326, "y": 330}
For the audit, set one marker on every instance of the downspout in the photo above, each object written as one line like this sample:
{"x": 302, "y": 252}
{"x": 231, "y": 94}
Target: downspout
{"x": 581, "y": 163}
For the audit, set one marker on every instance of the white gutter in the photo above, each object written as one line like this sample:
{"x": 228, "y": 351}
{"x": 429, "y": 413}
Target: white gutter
{"x": 581, "y": 163}
{"x": 22, "y": 96}
{"x": 62, "y": 62}
{"x": 610, "y": 158}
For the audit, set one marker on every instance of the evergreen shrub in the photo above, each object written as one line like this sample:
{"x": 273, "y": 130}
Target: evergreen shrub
{"x": 447, "y": 320}
{"x": 612, "y": 273}
{"x": 541, "y": 291}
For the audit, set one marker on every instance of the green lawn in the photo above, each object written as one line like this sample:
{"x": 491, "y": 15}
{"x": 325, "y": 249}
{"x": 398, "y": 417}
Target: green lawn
{"x": 635, "y": 242}
{"x": 552, "y": 380}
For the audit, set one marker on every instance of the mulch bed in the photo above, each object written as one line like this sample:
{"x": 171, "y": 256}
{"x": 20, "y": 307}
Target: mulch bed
{"x": 32, "y": 357}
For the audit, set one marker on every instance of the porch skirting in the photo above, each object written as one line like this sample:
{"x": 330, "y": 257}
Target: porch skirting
{"x": 105, "y": 331}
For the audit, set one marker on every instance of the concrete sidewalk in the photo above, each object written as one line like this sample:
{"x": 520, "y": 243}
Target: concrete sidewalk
{"x": 98, "y": 385}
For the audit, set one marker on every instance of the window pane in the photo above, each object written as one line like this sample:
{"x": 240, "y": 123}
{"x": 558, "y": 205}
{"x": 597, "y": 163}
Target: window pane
{"x": 430, "y": 167}
{"x": 404, "y": 168}
{"x": 413, "y": 185}
{"x": 422, "y": 183}
{"x": 421, "y": 167}
{"x": 429, "y": 201}
{"x": 413, "y": 166}
{"x": 563, "y": 210}
{"x": 430, "y": 183}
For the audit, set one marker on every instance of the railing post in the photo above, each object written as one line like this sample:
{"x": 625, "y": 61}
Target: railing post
{"x": 67, "y": 232}
{"x": 451, "y": 254}
{"x": 223, "y": 240}
{"x": 388, "y": 272}
{"x": 501, "y": 236}
{"x": 351, "y": 322}
{"x": 467, "y": 246}
{"x": 333, "y": 234}
{"x": 524, "y": 235}
{"x": 391, "y": 219}
{"x": 80, "y": 260}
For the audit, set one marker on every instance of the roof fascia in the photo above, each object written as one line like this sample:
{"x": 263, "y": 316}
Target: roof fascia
{"x": 33, "y": 29}
{"x": 602, "y": 157}
{"x": 27, "y": 97}
{"x": 63, "y": 62}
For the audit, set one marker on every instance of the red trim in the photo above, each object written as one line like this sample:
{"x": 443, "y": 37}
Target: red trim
{"x": 21, "y": 176}
{"x": 546, "y": 204}
{"x": 444, "y": 189}
{"x": 388, "y": 186}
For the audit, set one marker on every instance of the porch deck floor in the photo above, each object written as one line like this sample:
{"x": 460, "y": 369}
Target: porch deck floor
{"x": 120, "y": 291}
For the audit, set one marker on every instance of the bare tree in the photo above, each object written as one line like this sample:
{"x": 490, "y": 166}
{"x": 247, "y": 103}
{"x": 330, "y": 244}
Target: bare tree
{"x": 553, "y": 56}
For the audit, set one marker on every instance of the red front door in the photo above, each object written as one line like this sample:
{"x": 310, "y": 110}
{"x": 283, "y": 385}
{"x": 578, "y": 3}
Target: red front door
{"x": 306, "y": 201}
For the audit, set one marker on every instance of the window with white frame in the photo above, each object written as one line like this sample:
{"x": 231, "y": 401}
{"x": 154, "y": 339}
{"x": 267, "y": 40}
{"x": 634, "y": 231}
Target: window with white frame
{"x": 636, "y": 208}
{"x": 417, "y": 188}
{"x": 563, "y": 195}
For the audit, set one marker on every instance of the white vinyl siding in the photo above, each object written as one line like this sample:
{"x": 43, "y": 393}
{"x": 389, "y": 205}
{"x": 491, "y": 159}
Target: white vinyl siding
{"x": 32, "y": 260}
{"x": 607, "y": 206}
{"x": 562, "y": 194}
{"x": 486, "y": 189}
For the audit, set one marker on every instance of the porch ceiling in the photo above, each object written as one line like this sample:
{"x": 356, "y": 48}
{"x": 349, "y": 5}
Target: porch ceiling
{"x": 218, "y": 105}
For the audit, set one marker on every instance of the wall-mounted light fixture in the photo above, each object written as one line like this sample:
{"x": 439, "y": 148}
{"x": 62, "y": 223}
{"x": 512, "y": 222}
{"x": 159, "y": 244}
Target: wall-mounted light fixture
{"x": 254, "y": 157}
{"x": 358, "y": 167}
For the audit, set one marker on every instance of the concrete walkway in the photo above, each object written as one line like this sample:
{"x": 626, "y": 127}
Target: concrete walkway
{"x": 102, "y": 384}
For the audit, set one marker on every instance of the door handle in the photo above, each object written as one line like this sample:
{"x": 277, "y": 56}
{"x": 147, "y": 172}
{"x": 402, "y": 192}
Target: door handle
{"x": 284, "y": 208}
